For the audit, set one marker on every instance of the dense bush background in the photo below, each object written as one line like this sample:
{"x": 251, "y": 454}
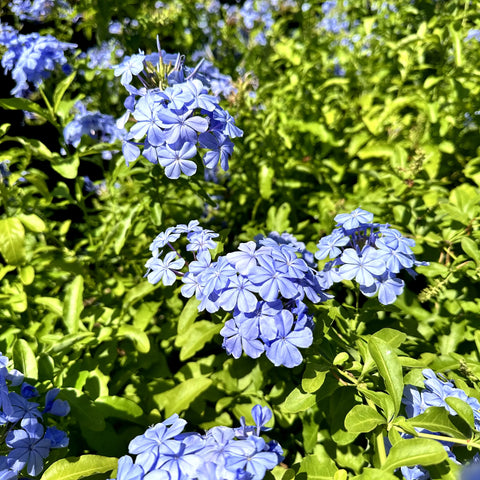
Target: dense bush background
{"x": 346, "y": 105}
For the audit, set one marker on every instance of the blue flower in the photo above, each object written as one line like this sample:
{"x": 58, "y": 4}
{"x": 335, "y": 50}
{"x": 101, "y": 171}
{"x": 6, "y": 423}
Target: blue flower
{"x": 164, "y": 270}
{"x": 178, "y": 161}
{"x": 353, "y": 220}
{"x": 284, "y": 350}
{"x": 362, "y": 267}
{"x": 55, "y": 406}
{"x": 28, "y": 449}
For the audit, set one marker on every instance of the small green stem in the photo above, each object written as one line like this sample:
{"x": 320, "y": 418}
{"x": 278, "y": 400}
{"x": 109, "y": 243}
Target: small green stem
{"x": 442, "y": 438}
{"x": 379, "y": 440}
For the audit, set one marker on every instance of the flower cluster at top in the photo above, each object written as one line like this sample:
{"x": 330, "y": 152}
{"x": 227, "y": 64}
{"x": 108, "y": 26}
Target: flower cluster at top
{"x": 31, "y": 58}
{"x": 24, "y": 442}
{"x": 94, "y": 124}
{"x": 174, "y": 116}
{"x": 434, "y": 395}
{"x": 264, "y": 284}
{"x": 165, "y": 452}
{"x": 38, "y": 10}
{"x": 371, "y": 253}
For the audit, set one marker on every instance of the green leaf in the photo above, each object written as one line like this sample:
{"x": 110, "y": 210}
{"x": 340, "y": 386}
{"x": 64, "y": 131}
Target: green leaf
{"x": 265, "y": 180}
{"x": 180, "y": 397}
{"x": 470, "y": 247}
{"x": 188, "y": 315}
{"x": 137, "y": 336}
{"x": 415, "y": 451}
{"x": 125, "y": 225}
{"x": 362, "y": 418}
{"x": 33, "y": 222}
{"x": 393, "y": 337}
{"x": 68, "y": 341}
{"x": 196, "y": 337}
{"x": 67, "y": 167}
{"x": 382, "y": 400}
{"x": 83, "y": 409}
{"x": 119, "y": 407}
{"x": 24, "y": 359}
{"x": 374, "y": 474}
{"x": 389, "y": 368}
{"x": 24, "y": 104}
{"x": 73, "y": 468}
{"x": 27, "y": 274}
{"x": 60, "y": 90}
{"x": 73, "y": 304}
{"x": 298, "y": 401}
{"x": 313, "y": 377}
{"x": 54, "y": 305}
{"x": 437, "y": 419}
{"x": 317, "y": 468}
{"x": 12, "y": 237}
{"x": 137, "y": 293}
{"x": 463, "y": 409}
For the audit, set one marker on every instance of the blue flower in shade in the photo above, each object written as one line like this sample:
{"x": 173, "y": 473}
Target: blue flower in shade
{"x": 6, "y": 473}
{"x": 241, "y": 335}
{"x": 220, "y": 149}
{"x": 164, "y": 270}
{"x": 55, "y": 406}
{"x": 436, "y": 391}
{"x": 284, "y": 350}
{"x": 58, "y": 438}
{"x": 28, "y": 449}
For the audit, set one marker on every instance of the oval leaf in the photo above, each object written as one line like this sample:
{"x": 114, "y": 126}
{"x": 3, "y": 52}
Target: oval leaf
{"x": 298, "y": 401}
{"x": 73, "y": 468}
{"x": 362, "y": 418}
{"x": 24, "y": 359}
{"x": 12, "y": 237}
{"x": 389, "y": 368}
{"x": 415, "y": 451}
{"x": 73, "y": 304}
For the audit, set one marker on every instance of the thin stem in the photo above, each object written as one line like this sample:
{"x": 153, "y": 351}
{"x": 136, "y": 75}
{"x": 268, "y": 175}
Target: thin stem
{"x": 442, "y": 438}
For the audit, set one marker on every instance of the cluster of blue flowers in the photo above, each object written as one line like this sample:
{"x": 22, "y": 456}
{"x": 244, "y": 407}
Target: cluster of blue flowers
{"x": 24, "y": 442}
{"x": 174, "y": 116}
{"x": 264, "y": 285}
{"x": 434, "y": 395}
{"x": 38, "y": 10}
{"x": 371, "y": 253}
{"x": 166, "y": 452}
{"x": 96, "y": 125}
{"x": 31, "y": 58}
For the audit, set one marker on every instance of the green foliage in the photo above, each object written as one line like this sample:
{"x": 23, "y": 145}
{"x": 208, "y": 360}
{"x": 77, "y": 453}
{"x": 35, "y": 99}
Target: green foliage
{"x": 390, "y": 135}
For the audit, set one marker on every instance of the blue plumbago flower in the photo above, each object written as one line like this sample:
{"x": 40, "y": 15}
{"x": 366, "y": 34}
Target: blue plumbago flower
{"x": 372, "y": 254}
{"x": 32, "y": 58}
{"x": 263, "y": 284}
{"x": 38, "y": 10}
{"x": 175, "y": 116}
{"x": 26, "y": 443}
{"x": 166, "y": 452}
{"x": 96, "y": 125}
{"x": 436, "y": 391}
